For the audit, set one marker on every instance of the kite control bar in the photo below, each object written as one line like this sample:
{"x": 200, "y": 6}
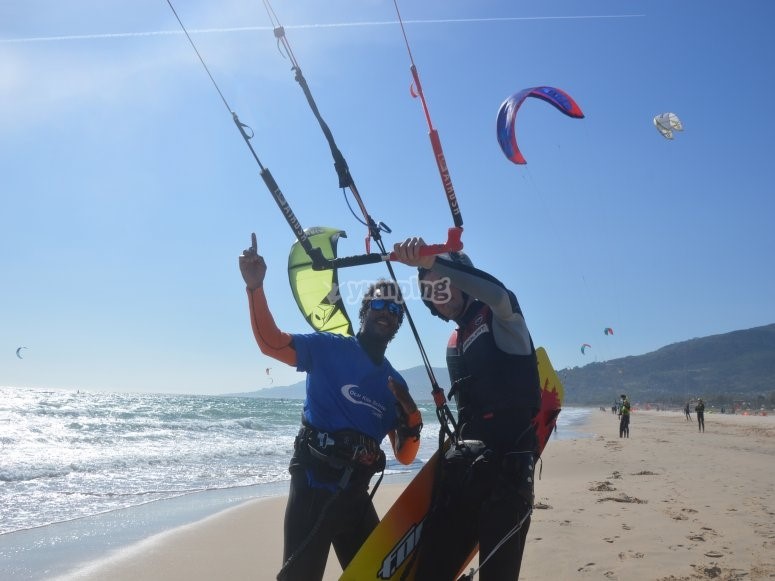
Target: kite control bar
{"x": 453, "y": 244}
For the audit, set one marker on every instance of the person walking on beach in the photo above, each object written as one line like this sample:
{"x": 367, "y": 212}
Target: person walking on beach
{"x": 624, "y": 417}
{"x": 686, "y": 411}
{"x": 354, "y": 399}
{"x": 485, "y": 492}
{"x": 700, "y": 410}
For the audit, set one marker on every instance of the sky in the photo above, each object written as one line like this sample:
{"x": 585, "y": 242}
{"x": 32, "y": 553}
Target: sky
{"x": 127, "y": 192}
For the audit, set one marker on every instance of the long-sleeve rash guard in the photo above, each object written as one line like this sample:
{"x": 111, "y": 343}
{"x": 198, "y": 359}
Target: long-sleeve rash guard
{"x": 345, "y": 389}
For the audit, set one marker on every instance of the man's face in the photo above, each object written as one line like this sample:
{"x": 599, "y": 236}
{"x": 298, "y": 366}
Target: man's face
{"x": 447, "y": 298}
{"x": 383, "y": 319}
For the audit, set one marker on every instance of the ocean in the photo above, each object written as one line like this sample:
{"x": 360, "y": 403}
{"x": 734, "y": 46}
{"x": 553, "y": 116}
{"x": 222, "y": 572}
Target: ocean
{"x": 108, "y": 457}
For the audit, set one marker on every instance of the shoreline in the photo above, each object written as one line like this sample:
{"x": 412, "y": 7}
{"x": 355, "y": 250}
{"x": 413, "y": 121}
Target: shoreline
{"x": 669, "y": 503}
{"x": 76, "y": 544}
{"x": 72, "y": 544}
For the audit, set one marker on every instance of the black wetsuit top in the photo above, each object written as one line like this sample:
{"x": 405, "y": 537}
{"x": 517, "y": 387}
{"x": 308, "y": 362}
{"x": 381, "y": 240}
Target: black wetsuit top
{"x": 494, "y": 373}
{"x": 491, "y": 360}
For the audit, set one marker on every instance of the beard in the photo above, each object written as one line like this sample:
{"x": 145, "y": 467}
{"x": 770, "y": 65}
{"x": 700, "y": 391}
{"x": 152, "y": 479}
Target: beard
{"x": 379, "y": 330}
{"x": 374, "y": 339}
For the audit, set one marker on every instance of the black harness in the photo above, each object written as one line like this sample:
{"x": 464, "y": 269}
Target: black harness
{"x": 341, "y": 450}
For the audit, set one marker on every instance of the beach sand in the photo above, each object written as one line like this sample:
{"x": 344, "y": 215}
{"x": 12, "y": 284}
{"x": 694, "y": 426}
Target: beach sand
{"x": 669, "y": 503}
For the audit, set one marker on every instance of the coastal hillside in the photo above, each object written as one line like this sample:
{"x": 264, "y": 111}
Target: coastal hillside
{"x": 723, "y": 369}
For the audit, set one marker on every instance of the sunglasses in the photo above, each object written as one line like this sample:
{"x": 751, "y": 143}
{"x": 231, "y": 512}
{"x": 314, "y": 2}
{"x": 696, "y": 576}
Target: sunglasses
{"x": 379, "y": 304}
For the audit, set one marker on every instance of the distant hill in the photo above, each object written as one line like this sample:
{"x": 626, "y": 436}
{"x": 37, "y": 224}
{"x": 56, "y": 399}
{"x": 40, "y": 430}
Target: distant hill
{"x": 721, "y": 368}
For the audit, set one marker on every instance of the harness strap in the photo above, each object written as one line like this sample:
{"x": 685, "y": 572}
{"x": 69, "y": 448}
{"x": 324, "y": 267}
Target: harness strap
{"x": 343, "y": 449}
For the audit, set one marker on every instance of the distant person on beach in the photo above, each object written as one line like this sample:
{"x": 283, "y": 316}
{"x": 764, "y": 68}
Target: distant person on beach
{"x": 624, "y": 417}
{"x": 700, "y": 410}
{"x": 354, "y": 399}
{"x": 686, "y": 411}
{"x": 486, "y": 485}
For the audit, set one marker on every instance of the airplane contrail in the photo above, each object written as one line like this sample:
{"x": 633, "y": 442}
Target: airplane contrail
{"x": 110, "y": 35}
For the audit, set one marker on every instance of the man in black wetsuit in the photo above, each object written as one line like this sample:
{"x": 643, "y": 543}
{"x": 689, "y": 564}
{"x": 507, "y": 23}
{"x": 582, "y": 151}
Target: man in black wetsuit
{"x": 486, "y": 491}
{"x": 624, "y": 417}
{"x": 700, "y": 410}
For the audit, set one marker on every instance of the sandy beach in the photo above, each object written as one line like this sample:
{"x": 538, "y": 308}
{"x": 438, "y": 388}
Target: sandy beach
{"x": 669, "y": 503}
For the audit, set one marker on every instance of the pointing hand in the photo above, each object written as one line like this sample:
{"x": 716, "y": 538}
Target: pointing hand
{"x": 252, "y": 265}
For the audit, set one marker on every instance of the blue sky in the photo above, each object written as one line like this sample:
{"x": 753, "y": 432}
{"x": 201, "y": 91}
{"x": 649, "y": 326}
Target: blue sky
{"x": 127, "y": 192}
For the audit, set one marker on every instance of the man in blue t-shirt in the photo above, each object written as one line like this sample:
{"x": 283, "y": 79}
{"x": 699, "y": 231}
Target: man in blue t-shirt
{"x": 354, "y": 398}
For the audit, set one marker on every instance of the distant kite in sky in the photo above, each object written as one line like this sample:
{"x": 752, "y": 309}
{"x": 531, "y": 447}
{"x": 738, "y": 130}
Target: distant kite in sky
{"x": 584, "y": 348}
{"x": 666, "y": 123}
{"x": 507, "y": 116}
{"x": 271, "y": 381}
{"x": 19, "y": 352}
{"x": 608, "y": 331}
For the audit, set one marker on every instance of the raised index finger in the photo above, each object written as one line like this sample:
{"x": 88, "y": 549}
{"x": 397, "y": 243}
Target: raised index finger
{"x": 253, "y": 242}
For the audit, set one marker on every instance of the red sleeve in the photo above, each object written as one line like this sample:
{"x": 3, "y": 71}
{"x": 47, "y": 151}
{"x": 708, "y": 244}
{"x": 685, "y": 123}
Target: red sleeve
{"x": 271, "y": 340}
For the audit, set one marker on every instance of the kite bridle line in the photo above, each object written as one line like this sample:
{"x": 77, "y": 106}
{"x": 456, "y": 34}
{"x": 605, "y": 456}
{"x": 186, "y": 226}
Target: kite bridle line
{"x": 319, "y": 262}
{"x": 438, "y": 152}
{"x": 346, "y": 181}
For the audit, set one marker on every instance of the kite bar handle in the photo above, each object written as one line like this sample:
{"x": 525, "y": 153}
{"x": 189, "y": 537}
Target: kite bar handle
{"x": 453, "y": 244}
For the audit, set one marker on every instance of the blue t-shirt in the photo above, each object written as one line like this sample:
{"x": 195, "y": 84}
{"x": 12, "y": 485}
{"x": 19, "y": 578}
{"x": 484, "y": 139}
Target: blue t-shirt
{"x": 345, "y": 389}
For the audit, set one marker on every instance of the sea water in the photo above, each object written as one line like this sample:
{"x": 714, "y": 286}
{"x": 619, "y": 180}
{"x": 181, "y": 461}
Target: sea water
{"x": 66, "y": 455}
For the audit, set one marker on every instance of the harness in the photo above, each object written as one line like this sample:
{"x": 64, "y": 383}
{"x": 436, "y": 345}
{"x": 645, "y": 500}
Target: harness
{"x": 341, "y": 450}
